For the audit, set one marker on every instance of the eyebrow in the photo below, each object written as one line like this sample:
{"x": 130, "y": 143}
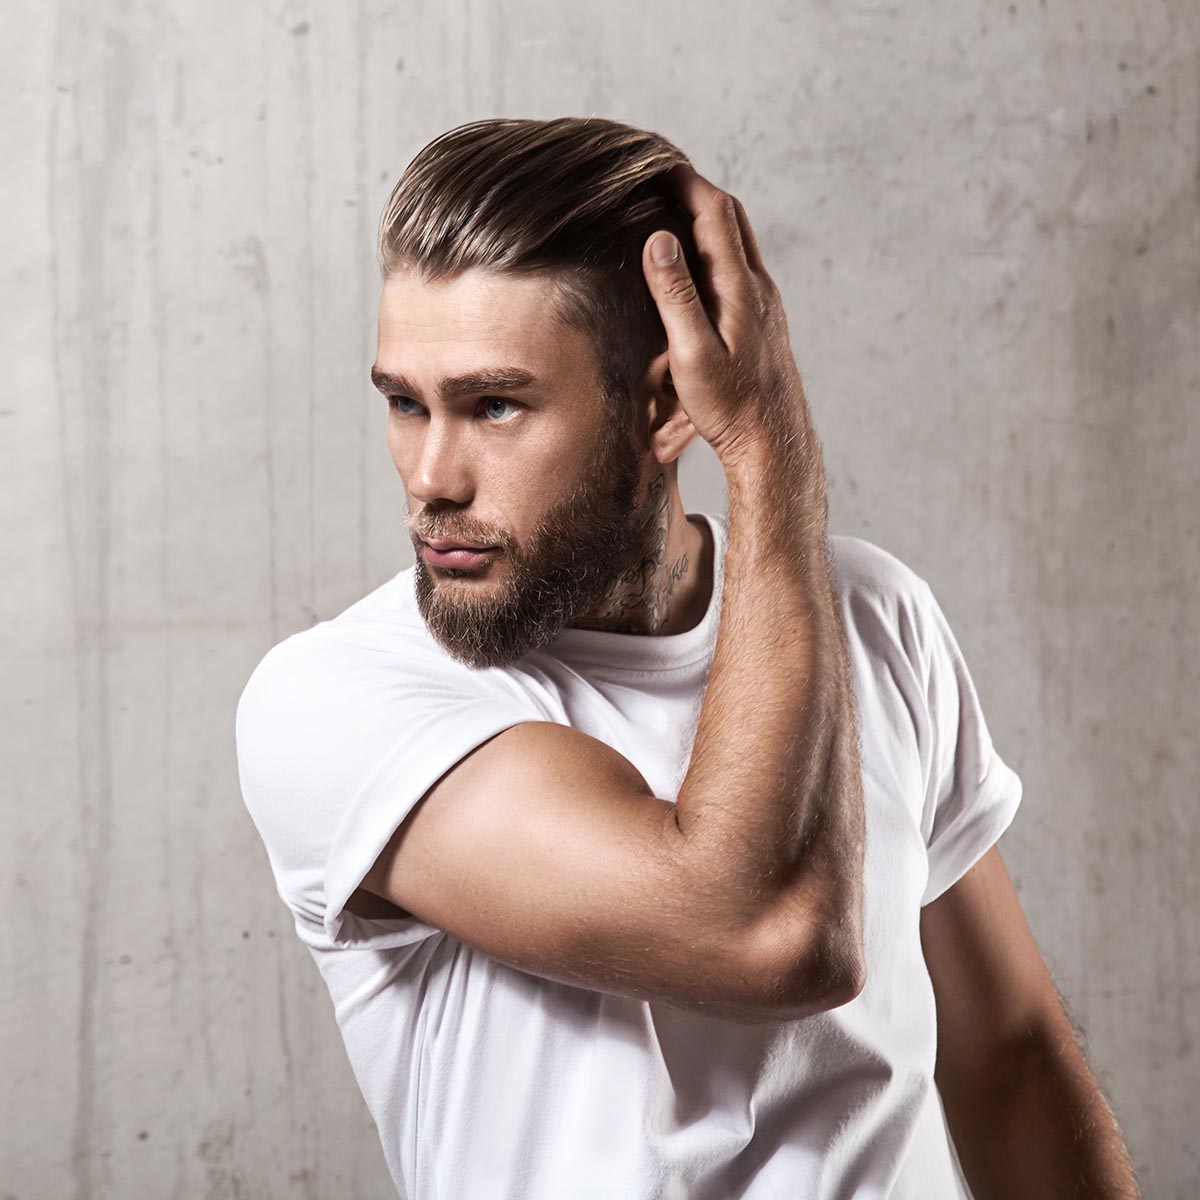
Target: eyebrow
{"x": 495, "y": 379}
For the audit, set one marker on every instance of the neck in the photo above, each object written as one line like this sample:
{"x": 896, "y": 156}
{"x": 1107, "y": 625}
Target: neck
{"x": 667, "y": 586}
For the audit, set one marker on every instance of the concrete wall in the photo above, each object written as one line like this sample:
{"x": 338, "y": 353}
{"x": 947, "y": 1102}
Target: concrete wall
{"x": 985, "y": 219}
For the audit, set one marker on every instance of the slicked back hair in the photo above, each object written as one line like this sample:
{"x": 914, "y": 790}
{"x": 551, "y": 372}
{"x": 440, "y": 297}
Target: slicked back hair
{"x": 574, "y": 198}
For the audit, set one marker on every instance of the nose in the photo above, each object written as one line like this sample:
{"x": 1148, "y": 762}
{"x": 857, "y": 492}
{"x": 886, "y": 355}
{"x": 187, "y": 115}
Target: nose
{"x": 441, "y": 471}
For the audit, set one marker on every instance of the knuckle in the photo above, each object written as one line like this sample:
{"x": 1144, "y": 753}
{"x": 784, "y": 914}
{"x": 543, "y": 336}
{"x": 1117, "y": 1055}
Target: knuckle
{"x": 719, "y": 208}
{"x": 729, "y": 213}
{"x": 769, "y": 291}
{"x": 680, "y": 290}
{"x": 760, "y": 300}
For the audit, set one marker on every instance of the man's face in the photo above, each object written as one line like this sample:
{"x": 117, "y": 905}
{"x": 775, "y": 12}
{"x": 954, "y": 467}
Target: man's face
{"x": 539, "y": 470}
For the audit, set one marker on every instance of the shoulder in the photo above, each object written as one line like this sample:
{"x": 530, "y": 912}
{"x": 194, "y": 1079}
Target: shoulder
{"x": 884, "y": 605}
{"x": 865, "y": 568}
{"x": 327, "y": 709}
{"x": 317, "y": 685}
{"x": 887, "y": 611}
{"x": 371, "y": 671}
{"x": 881, "y": 596}
{"x": 377, "y": 633}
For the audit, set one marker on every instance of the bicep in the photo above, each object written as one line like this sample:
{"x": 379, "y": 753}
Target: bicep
{"x": 547, "y": 849}
{"x": 993, "y": 991}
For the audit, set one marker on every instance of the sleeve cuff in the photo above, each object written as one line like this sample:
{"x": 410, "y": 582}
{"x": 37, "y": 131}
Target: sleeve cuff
{"x": 380, "y": 807}
{"x": 961, "y": 846}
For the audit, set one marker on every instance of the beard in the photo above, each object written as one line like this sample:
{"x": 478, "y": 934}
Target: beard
{"x": 570, "y": 562}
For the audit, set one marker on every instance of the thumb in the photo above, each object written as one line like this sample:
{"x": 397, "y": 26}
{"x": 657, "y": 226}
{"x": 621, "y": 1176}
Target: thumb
{"x": 690, "y": 334}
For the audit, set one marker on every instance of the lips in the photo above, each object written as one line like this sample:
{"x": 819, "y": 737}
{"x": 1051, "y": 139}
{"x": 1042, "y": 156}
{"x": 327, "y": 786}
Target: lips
{"x": 457, "y": 558}
{"x": 447, "y": 544}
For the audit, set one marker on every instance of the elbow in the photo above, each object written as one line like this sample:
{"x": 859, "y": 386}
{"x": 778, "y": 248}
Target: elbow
{"x": 813, "y": 975}
{"x": 838, "y": 964}
{"x": 798, "y": 958}
{"x": 802, "y": 988}
{"x": 841, "y": 978}
{"x": 825, "y": 981}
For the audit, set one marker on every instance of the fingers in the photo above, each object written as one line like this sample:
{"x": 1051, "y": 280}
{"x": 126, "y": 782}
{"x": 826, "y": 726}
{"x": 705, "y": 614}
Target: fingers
{"x": 697, "y": 195}
{"x": 732, "y": 263}
{"x": 690, "y": 334}
{"x": 749, "y": 241}
{"x": 694, "y": 191}
{"x": 715, "y": 225}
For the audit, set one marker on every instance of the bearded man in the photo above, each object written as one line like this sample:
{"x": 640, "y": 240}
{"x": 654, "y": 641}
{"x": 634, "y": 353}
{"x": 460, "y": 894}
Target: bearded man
{"x": 645, "y": 853}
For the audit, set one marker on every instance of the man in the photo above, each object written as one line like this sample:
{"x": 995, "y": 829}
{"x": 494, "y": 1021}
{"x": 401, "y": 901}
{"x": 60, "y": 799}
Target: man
{"x": 646, "y": 854}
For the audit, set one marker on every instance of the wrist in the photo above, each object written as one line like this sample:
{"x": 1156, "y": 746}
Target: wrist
{"x": 777, "y": 490}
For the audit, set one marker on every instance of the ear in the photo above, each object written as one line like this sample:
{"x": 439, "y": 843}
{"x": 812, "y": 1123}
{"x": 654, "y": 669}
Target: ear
{"x": 670, "y": 428}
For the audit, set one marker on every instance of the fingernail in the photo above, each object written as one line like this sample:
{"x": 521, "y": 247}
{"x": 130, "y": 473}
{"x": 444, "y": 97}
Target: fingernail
{"x": 664, "y": 249}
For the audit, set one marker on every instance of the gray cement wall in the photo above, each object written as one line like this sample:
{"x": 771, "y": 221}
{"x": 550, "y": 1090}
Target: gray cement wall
{"x": 985, "y": 219}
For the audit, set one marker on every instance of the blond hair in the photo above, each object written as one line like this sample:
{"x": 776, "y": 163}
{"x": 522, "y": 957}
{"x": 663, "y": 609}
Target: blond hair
{"x": 574, "y": 198}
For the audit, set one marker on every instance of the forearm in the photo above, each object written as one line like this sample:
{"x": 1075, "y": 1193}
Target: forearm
{"x": 1041, "y": 1130}
{"x": 772, "y": 801}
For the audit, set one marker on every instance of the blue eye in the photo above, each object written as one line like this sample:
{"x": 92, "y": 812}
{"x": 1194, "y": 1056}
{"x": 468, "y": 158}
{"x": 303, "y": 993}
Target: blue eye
{"x": 498, "y": 400}
{"x": 400, "y": 404}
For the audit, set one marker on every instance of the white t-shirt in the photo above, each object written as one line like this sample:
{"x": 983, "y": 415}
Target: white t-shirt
{"x": 487, "y": 1082}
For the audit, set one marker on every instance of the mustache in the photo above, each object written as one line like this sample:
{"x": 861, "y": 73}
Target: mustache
{"x": 459, "y": 537}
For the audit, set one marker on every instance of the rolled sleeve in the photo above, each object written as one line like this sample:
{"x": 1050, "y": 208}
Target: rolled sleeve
{"x": 971, "y": 793}
{"x": 336, "y": 744}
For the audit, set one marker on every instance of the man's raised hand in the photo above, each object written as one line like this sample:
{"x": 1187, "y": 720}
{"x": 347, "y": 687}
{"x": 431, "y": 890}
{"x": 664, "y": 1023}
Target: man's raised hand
{"x": 731, "y": 363}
